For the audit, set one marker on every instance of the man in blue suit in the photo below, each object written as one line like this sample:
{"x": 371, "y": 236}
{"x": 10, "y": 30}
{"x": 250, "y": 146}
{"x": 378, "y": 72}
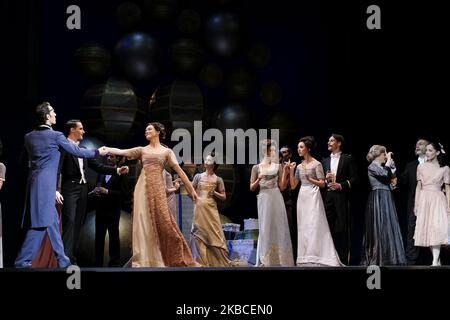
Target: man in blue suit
{"x": 42, "y": 146}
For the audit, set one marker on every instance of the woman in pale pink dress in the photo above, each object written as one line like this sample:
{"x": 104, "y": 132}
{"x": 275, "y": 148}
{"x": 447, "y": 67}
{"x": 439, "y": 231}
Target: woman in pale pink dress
{"x": 432, "y": 206}
{"x": 315, "y": 244}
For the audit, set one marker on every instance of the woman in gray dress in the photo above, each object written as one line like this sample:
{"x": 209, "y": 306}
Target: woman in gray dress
{"x": 382, "y": 241}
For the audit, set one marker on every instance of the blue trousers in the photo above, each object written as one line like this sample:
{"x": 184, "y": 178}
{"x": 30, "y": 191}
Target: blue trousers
{"x": 32, "y": 244}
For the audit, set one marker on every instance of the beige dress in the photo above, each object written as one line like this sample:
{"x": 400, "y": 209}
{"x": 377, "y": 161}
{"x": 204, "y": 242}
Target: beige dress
{"x": 315, "y": 244}
{"x": 157, "y": 241}
{"x": 274, "y": 246}
{"x": 431, "y": 206}
{"x": 208, "y": 242}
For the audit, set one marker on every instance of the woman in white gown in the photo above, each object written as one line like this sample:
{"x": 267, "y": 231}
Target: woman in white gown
{"x": 315, "y": 244}
{"x": 274, "y": 240}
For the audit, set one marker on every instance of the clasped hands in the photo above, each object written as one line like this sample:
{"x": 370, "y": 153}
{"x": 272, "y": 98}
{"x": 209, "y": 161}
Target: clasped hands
{"x": 290, "y": 167}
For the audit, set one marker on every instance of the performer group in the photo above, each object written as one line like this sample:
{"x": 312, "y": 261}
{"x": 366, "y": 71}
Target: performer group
{"x": 57, "y": 175}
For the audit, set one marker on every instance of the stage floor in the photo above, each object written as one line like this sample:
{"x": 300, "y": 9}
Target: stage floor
{"x": 174, "y": 292}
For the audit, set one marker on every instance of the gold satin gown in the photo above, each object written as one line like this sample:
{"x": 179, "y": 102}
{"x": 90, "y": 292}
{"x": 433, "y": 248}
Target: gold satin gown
{"x": 157, "y": 240}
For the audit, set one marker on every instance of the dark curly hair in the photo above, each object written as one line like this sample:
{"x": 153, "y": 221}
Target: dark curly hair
{"x": 441, "y": 156}
{"x": 309, "y": 142}
{"x": 160, "y": 128}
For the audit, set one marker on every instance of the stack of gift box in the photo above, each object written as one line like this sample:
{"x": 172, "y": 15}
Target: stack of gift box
{"x": 242, "y": 244}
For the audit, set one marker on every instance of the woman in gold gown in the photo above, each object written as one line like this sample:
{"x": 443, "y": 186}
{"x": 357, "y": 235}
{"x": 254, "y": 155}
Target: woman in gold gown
{"x": 208, "y": 242}
{"x": 156, "y": 239}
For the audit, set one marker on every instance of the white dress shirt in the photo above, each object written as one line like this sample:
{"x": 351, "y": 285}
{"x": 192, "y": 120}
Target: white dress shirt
{"x": 80, "y": 162}
{"x": 422, "y": 159}
{"x": 334, "y": 162}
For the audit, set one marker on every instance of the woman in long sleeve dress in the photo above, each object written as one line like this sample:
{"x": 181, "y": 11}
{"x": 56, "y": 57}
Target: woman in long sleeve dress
{"x": 274, "y": 246}
{"x": 208, "y": 243}
{"x": 157, "y": 240}
{"x": 382, "y": 242}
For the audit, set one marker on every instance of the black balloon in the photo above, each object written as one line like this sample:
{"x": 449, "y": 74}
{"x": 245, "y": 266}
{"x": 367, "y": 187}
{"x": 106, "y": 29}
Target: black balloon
{"x": 177, "y": 105}
{"x": 259, "y": 55}
{"x": 187, "y": 56}
{"x": 223, "y": 34}
{"x": 112, "y": 111}
{"x": 161, "y": 9}
{"x": 233, "y": 116}
{"x": 211, "y": 75}
{"x": 92, "y": 60}
{"x": 189, "y": 21}
{"x": 139, "y": 56}
{"x": 287, "y": 125}
{"x": 129, "y": 15}
{"x": 271, "y": 93}
{"x": 241, "y": 84}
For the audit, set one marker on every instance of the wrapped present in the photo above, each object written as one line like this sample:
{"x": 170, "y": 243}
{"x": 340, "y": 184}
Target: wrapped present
{"x": 251, "y": 224}
{"x": 230, "y": 235}
{"x": 243, "y": 251}
{"x": 234, "y": 227}
{"x": 247, "y": 234}
{"x": 230, "y": 230}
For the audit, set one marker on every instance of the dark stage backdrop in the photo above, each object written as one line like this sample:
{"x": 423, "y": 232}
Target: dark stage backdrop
{"x": 307, "y": 68}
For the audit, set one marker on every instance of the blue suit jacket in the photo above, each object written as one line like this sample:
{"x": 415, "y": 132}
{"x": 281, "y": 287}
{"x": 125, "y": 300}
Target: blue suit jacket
{"x": 42, "y": 146}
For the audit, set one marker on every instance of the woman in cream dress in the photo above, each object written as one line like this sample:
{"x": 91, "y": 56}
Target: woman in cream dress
{"x": 157, "y": 240}
{"x": 274, "y": 241}
{"x": 315, "y": 244}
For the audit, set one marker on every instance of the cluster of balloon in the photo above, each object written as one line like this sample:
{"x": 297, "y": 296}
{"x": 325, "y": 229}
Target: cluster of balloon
{"x": 271, "y": 93}
{"x": 139, "y": 56}
{"x": 223, "y": 34}
{"x": 113, "y": 111}
{"x": 189, "y": 21}
{"x": 92, "y": 60}
{"x": 187, "y": 56}
{"x": 241, "y": 84}
{"x": 129, "y": 15}
{"x": 211, "y": 75}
